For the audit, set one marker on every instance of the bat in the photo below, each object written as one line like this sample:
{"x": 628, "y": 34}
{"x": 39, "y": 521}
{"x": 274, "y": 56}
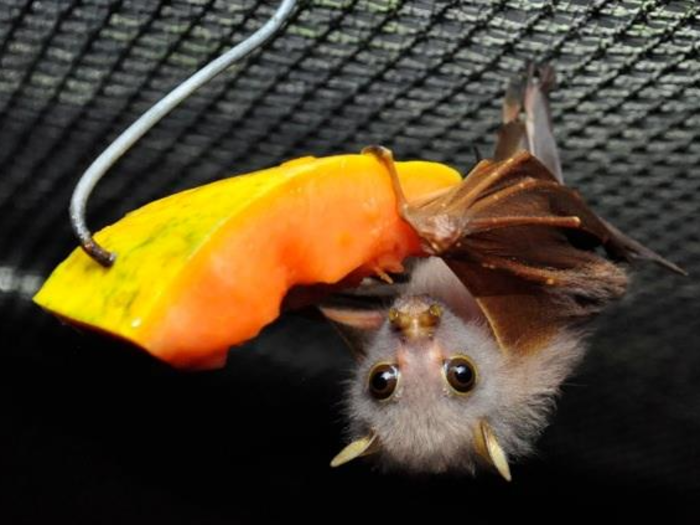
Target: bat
{"x": 462, "y": 370}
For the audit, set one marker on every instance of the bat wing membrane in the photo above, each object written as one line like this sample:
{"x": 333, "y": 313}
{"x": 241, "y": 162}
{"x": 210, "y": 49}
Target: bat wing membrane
{"x": 525, "y": 246}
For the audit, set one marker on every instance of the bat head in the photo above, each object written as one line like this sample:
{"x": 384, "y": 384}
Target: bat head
{"x": 434, "y": 392}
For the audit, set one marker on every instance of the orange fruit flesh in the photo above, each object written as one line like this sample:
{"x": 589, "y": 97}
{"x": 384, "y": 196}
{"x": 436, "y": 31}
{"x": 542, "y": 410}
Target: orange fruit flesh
{"x": 208, "y": 268}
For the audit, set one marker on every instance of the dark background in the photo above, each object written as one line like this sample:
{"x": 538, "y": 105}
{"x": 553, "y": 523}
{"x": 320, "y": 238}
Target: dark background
{"x": 95, "y": 432}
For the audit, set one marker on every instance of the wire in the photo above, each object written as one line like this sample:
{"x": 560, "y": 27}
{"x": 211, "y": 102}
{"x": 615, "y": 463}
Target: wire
{"x": 150, "y": 118}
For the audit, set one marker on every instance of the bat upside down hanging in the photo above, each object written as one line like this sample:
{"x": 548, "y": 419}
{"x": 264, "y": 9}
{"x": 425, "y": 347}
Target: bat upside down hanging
{"x": 461, "y": 370}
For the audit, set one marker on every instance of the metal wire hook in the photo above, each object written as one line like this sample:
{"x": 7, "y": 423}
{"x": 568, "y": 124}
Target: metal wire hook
{"x": 150, "y": 118}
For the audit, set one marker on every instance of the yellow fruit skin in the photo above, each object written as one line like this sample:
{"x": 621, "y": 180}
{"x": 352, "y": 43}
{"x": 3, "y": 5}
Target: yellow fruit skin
{"x": 163, "y": 247}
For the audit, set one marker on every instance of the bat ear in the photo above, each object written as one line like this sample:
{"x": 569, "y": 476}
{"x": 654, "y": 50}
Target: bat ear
{"x": 353, "y": 324}
{"x": 487, "y": 446}
{"x": 353, "y": 317}
{"x": 360, "y": 447}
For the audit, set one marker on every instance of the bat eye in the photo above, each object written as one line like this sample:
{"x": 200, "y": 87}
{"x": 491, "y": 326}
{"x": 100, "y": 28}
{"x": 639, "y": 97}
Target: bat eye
{"x": 460, "y": 374}
{"x": 383, "y": 380}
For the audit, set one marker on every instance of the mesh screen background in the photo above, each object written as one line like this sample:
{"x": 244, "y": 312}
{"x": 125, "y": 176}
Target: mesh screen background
{"x": 423, "y": 78}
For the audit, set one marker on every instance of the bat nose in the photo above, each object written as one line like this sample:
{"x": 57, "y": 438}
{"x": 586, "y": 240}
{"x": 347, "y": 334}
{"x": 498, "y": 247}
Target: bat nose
{"x": 416, "y": 321}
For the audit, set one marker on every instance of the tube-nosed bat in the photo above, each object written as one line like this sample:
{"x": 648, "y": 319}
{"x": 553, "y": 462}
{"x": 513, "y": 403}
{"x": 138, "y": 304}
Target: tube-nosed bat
{"x": 463, "y": 368}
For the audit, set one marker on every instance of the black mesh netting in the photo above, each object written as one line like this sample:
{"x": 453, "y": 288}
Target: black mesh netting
{"x": 96, "y": 433}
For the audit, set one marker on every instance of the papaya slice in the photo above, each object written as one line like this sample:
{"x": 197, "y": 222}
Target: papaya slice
{"x": 206, "y": 269}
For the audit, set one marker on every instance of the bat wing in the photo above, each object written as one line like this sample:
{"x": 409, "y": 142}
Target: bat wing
{"x": 522, "y": 242}
{"x": 525, "y": 246}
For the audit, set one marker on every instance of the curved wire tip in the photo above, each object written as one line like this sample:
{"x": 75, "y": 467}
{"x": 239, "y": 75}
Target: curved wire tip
{"x": 98, "y": 253}
{"x": 150, "y": 118}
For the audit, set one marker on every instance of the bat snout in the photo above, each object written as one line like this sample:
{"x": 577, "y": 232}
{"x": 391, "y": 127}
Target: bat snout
{"x": 415, "y": 317}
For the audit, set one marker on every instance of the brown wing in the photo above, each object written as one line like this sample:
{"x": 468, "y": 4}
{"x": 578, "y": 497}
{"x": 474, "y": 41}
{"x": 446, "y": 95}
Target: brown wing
{"x": 524, "y": 245}
{"x": 522, "y": 242}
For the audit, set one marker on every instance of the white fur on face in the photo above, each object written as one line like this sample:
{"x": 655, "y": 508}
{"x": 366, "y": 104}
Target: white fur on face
{"x": 425, "y": 426}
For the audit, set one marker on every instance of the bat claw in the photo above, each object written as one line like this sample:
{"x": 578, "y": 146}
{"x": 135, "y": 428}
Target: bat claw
{"x": 383, "y": 275}
{"x": 382, "y": 153}
{"x": 386, "y": 157}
